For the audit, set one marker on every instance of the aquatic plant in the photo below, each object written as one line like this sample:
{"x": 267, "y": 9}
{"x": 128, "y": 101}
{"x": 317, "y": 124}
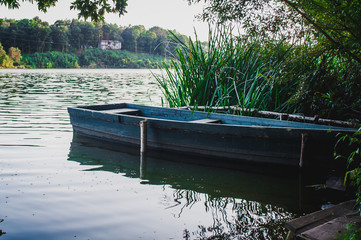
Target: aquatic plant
{"x": 221, "y": 72}
{"x": 353, "y": 160}
{"x": 274, "y": 75}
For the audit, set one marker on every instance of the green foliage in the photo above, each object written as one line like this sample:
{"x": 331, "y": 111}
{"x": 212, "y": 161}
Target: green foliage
{"x": 325, "y": 83}
{"x": 223, "y": 73}
{"x": 78, "y": 41}
{"x": 118, "y": 59}
{"x": 270, "y": 75}
{"x": 15, "y": 55}
{"x": 33, "y": 35}
{"x": 27, "y": 35}
{"x": 94, "y": 10}
{"x": 335, "y": 23}
{"x": 92, "y": 58}
{"x": 5, "y": 60}
{"x": 51, "y": 60}
{"x": 130, "y": 37}
{"x": 110, "y": 31}
{"x": 353, "y": 159}
{"x": 59, "y": 36}
{"x": 353, "y": 232}
{"x": 83, "y": 35}
{"x": 339, "y": 23}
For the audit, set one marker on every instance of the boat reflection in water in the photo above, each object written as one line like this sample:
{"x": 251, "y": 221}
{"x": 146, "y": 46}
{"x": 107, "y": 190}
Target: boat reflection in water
{"x": 243, "y": 204}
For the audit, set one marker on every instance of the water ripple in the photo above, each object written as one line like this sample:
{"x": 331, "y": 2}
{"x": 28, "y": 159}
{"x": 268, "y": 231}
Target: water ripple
{"x": 53, "y": 187}
{"x": 38, "y": 99}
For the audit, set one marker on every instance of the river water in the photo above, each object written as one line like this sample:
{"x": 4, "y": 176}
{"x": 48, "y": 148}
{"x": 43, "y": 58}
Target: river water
{"x": 54, "y": 185}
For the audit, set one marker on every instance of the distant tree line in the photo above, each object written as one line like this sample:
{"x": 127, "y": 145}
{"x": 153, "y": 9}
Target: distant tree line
{"x": 37, "y": 36}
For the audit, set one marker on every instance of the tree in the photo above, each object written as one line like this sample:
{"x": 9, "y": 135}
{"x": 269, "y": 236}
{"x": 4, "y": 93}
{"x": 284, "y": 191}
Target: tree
{"x": 94, "y": 10}
{"x": 111, "y": 32}
{"x": 83, "y": 35}
{"x": 30, "y": 35}
{"x": 74, "y": 35}
{"x": 130, "y": 36}
{"x": 162, "y": 40}
{"x": 6, "y": 35}
{"x": 338, "y": 22}
{"x": 59, "y": 37}
{"x": 5, "y": 61}
{"x": 15, "y": 54}
{"x": 41, "y": 34}
{"x": 90, "y": 35}
{"x": 146, "y": 42}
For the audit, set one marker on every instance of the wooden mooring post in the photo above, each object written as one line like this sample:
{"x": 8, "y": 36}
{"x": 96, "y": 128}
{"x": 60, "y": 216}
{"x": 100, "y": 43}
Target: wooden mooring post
{"x": 303, "y": 145}
{"x": 143, "y": 136}
{"x": 143, "y": 148}
{"x": 142, "y": 166}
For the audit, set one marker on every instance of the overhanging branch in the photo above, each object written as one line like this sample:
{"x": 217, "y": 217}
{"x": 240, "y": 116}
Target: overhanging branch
{"x": 321, "y": 30}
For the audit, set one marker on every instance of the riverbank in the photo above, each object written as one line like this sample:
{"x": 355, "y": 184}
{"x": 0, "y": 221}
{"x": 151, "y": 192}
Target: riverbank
{"x": 92, "y": 58}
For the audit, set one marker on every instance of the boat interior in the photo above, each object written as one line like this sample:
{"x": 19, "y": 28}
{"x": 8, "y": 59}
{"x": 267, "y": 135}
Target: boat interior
{"x": 202, "y": 117}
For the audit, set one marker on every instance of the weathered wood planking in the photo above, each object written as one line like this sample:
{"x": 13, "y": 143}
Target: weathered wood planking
{"x": 281, "y": 116}
{"x": 324, "y": 224}
{"x": 127, "y": 111}
{"x": 330, "y": 229}
{"x": 207, "y": 120}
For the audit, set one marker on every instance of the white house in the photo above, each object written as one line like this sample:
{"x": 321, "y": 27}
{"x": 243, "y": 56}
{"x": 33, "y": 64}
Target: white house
{"x": 110, "y": 44}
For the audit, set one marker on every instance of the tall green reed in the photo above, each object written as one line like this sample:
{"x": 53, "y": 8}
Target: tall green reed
{"x": 221, "y": 72}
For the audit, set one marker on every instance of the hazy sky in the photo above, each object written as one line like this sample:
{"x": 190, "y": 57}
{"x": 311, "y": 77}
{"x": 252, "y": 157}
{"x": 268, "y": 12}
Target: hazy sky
{"x": 168, "y": 14}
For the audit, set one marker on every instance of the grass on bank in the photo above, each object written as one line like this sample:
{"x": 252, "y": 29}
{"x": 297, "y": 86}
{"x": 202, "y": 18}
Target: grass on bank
{"x": 270, "y": 75}
{"x": 92, "y": 58}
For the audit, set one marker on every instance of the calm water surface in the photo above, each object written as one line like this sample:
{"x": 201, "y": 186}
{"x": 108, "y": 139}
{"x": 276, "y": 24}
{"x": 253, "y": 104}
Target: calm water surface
{"x": 54, "y": 185}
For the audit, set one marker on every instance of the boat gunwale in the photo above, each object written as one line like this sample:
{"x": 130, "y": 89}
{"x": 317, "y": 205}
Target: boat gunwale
{"x": 97, "y": 109}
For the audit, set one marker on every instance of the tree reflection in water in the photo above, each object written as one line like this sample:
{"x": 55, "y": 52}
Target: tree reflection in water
{"x": 242, "y": 205}
{"x": 234, "y": 218}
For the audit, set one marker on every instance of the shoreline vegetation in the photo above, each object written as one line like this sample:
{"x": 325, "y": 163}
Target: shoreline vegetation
{"x": 92, "y": 58}
{"x": 278, "y": 76}
{"x": 32, "y": 43}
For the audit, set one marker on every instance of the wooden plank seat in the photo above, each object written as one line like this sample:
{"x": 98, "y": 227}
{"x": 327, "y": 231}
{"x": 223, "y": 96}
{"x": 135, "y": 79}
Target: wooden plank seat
{"x": 207, "y": 120}
{"x": 127, "y": 111}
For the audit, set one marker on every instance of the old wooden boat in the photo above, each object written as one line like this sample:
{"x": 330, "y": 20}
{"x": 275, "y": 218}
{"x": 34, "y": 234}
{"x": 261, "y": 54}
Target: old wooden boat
{"x": 227, "y": 138}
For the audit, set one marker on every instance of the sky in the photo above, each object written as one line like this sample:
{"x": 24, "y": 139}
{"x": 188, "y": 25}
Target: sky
{"x": 169, "y": 14}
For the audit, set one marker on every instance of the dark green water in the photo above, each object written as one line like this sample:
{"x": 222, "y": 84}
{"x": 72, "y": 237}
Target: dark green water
{"x": 54, "y": 185}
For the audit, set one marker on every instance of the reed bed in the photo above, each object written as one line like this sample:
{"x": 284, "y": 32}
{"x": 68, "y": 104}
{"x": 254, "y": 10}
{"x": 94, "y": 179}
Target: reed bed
{"x": 221, "y": 72}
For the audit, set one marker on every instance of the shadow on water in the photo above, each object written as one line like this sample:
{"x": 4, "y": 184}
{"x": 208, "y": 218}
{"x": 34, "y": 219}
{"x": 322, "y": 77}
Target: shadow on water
{"x": 1, "y": 231}
{"x": 259, "y": 202}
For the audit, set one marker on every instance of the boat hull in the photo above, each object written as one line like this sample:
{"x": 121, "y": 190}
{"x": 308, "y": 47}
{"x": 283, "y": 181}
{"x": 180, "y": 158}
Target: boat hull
{"x": 251, "y": 140}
